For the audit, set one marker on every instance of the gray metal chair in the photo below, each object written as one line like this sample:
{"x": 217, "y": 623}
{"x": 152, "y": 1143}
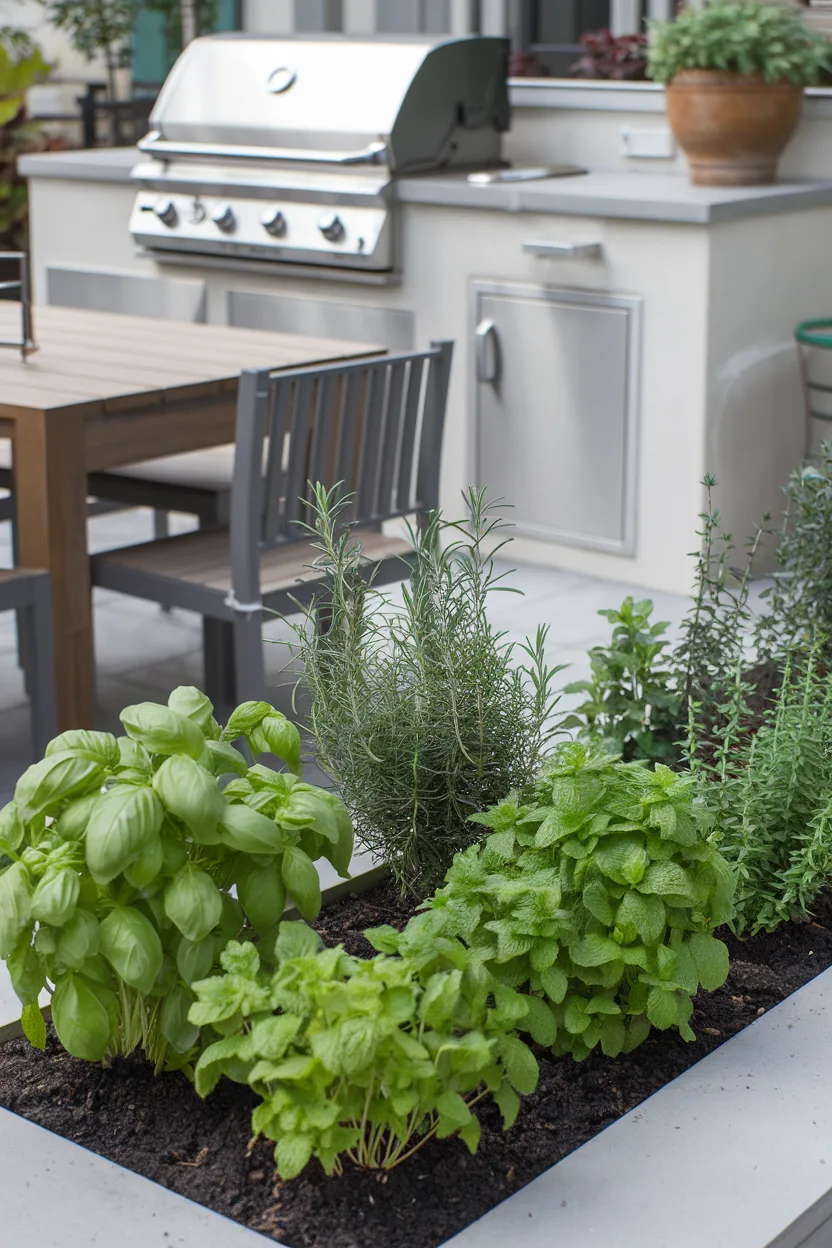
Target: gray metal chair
{"x": 375, "y": 426}
{"x": 29, "y": 594}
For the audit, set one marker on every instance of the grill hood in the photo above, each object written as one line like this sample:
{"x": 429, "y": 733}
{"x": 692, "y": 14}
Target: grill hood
{"x": 406, "y": 104}
{"x": 285, "y": 149}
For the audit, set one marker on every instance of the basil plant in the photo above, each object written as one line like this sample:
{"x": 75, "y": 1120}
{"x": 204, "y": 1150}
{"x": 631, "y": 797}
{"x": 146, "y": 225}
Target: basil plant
{"x": 127, "y": 864}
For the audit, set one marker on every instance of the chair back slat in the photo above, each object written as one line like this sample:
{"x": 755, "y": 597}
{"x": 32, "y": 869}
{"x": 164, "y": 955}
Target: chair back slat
{"x": 373, "y": 427}
{"x": 276, "y": 465}
{"x": 411, "y": 413}
{"x": 389, "y": 437}
{"x": 354, "y": 394}
{"x": 306, "y": 392}
{"x": 324, "y": 432}
{"x": 368, "y": 454}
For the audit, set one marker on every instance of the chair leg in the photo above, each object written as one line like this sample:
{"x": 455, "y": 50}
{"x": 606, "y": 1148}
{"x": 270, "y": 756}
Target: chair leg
{"x": 161, "y": 529}
{"x": 249, "y": 668}
{"x": 218, "y": 660}
{"x": 41, "y": 667}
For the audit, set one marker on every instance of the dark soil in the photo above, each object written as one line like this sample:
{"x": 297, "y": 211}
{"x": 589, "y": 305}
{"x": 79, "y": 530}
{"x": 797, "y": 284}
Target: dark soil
{"x": 160, "y": 1128}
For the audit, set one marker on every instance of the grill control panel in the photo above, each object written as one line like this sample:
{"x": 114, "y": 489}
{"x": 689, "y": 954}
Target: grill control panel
{"x": 295, "y": 231}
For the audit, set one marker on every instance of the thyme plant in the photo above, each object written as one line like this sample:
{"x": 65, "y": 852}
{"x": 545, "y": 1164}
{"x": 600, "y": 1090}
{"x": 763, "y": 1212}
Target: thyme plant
{"x": 420, "y": 713}
{"x": 800, "y": 603}
{"x": 769, "y": 792}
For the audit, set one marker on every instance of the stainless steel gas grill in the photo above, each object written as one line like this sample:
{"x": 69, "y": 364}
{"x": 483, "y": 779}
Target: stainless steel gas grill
{"x": 288, "y": 149}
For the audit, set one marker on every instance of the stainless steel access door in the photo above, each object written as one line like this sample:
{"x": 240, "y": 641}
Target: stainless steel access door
{"x": 557, "y": 410}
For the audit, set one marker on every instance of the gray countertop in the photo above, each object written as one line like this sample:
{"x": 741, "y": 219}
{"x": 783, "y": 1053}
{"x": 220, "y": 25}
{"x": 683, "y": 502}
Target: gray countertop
{"x": 630, "y": 196}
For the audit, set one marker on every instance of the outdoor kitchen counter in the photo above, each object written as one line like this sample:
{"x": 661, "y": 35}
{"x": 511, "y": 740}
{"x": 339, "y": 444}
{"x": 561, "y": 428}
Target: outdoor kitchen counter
{"x": 628, "y": 196}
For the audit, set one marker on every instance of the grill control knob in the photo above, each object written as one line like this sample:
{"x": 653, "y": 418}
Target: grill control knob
{"x": 165, "y": 210}
{"x": 332, "y": 227}
{"x": 273, "y": 222}
{"x": 224, "y": 218}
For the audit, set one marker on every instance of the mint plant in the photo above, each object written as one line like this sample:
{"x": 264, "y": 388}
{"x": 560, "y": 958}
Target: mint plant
{"x": 631, "y": 707}
{"x": 362, "y": 1059}
{"x": 597, "y": 892}
{"x": 121, "y": 858}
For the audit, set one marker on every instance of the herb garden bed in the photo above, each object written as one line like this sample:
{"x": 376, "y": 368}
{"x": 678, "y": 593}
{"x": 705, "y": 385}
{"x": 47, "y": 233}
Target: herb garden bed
{"x": 160, "y": 1128}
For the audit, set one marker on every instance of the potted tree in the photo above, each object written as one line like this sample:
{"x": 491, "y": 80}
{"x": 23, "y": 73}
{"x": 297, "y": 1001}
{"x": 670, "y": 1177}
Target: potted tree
{"x": 735, "y": 74}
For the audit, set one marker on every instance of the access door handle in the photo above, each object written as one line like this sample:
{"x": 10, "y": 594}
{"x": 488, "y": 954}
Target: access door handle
{"x": 565, "y": 251}
{"x": 488, "y": 352}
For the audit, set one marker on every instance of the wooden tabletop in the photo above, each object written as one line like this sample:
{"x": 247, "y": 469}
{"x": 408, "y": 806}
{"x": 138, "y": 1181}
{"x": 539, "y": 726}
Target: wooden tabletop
{"x": 105, "y": 390}
{"x": 102, "y": 363}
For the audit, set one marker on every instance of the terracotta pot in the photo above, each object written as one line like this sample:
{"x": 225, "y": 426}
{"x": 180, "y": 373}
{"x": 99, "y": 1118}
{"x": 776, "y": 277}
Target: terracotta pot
{"x": 732, "y": 127}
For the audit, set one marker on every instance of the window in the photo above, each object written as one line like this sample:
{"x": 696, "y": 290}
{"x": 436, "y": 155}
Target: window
{"x": 546, "y": 33}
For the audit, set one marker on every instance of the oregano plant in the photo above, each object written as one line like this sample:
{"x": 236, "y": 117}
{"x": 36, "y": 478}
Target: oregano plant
{"x": 122, "y": 855}
{"x": 597, "y": 892}
{"x": 362, "y": 1060}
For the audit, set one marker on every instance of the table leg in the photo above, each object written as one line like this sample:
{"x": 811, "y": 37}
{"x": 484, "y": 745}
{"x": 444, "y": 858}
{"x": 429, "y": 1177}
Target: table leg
{"x": 50, "y": 497}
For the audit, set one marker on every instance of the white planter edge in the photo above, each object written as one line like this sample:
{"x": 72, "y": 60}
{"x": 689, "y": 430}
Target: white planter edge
{"x": 737, "y": 1151}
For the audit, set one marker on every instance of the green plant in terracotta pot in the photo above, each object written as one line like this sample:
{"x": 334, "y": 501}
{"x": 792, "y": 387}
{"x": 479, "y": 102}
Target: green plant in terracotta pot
{"x": 735, "y": 74}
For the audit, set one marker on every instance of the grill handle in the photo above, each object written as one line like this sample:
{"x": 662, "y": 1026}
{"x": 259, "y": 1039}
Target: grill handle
{"x": 154, "y": 145}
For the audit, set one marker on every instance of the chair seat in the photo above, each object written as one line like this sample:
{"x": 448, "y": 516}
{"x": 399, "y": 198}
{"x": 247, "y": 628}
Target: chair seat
{"x": 200, "y": 562}
{"x": 211, "y": 469}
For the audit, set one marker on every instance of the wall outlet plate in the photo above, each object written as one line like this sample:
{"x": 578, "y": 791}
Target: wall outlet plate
{"x": 648, "y": 144}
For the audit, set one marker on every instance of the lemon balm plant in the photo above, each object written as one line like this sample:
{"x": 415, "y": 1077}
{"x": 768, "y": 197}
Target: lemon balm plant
{"x": 121, "y": 856}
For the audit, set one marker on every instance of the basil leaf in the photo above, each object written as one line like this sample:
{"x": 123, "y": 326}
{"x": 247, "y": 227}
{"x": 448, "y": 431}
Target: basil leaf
{"x": 194, "y": 959}
{"x": 221, "y": 759}
{"x": 76, "y": 941}
{"x": 263, "y": 896}
{"x": 101, "y": 747}
{"x": 72, "y": 822}
{"x": 241, "y": 721}
{"x": 123, "y": 823}
{"x": 26, "y": 970}
{"x": 44, "y": 785}
{"x": 250, "y": 832}
{"x": 147, "y": 866}
{"x": 277, "y": 735}
{"x": 301, "y": 879}
{"x": 161, "y": 730}
{"x": 131, "y": 944}
{"x": 15, "y": 905}
{"x": 34, "y": 1028}
{"x": 191, "y": 793}
{"x": 180, "y": 1034}
{"x": 306, "y": 809}
{"x": 193, "y": 903}
{"x": 82, "y": 1014}
{"x": 56, "y": 896}
{"x": 12, "y": 831}
{"x": 193, "y": 704}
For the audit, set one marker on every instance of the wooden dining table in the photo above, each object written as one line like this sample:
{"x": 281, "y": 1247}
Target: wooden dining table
{"x": 102, "y": 391}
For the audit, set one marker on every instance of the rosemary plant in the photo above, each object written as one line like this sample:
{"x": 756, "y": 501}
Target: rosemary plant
{"x": 420, "y": 713}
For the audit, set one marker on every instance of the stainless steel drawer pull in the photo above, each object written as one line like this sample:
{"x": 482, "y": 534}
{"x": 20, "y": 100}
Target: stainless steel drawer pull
{"x": 488, "y": 352}
{"x": 565, "y": 251}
